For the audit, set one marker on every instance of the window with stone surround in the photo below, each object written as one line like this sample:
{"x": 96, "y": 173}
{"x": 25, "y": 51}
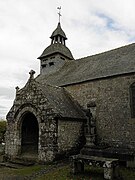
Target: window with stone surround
{"x": 44, "y": 65}
{"x": 51, "y": 63}
{"x": 132, "y": 94}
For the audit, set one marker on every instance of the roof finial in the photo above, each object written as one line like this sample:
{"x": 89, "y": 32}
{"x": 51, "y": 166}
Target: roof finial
{"x": 59, "y": 13}
{"x": 32, "y": 72}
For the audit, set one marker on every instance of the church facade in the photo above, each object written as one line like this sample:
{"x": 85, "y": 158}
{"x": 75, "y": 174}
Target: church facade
{"x": 49, "y": 114}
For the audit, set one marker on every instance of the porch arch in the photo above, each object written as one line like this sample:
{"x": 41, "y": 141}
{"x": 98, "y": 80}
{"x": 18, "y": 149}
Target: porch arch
{"x": 29, "y": 133}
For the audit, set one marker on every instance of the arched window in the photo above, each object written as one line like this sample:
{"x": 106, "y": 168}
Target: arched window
{"x": 132, "y": 94}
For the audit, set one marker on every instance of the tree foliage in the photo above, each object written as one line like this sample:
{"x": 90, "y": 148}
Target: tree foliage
{"x": 2, "y": 129}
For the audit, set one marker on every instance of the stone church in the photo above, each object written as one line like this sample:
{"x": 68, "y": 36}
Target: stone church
{"x": 52, "y": 113}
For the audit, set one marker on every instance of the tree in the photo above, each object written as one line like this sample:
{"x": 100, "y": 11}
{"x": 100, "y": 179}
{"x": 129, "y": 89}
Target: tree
{"x": 2, "y": 130}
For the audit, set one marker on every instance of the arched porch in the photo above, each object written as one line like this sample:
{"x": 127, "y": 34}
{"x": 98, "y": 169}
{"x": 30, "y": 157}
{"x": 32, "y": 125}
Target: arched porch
{"x": 29, "y": 134}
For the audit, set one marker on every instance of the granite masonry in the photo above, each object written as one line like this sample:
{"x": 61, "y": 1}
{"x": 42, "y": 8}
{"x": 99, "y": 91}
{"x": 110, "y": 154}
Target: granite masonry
{"x": 49, "y": 116}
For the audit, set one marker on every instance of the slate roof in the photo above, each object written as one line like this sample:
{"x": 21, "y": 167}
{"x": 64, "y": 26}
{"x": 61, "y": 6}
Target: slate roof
{"x": 115, "y": 62}
{"x": 58, "y": 31}
{"x": 62, "y": 102}
{"x": 56, "y": 48}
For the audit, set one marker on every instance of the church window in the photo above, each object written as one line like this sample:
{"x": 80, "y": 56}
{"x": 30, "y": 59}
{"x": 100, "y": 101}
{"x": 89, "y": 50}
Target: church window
{"x": 51, "y": 63}
{"x": 132, "y": 93}
{"x": 44, "y": 65}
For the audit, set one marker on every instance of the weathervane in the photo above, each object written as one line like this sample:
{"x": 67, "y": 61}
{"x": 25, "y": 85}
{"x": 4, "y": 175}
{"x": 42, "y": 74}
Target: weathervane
{"x": 59, "y": 13}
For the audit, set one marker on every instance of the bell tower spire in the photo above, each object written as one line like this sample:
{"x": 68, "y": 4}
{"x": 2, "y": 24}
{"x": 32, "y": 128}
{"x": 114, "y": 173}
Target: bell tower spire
{"x": 58, "y": 35}
{"x": 57, "y": 54}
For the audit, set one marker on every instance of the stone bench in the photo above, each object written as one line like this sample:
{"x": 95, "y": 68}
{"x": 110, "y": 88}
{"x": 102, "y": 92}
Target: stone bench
{"x": 110, "y": 165}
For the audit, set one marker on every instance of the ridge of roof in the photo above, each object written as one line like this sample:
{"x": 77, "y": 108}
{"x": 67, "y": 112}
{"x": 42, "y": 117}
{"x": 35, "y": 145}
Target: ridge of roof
{"x": 108, "y": 51}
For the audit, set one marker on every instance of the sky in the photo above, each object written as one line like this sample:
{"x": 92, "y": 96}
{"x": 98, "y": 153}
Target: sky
{"x": 92, "y": 26}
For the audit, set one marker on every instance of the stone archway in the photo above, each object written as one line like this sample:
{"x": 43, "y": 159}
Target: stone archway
{"x": 29, "y": 134}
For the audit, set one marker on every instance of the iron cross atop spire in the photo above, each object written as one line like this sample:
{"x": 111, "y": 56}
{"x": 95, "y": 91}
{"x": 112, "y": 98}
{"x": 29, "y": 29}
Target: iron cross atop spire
{"x": 59, "y": 13}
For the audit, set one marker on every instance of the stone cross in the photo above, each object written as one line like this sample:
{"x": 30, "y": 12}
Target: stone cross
{"x": 17, "y": 89}
{"x": 32, "y": 72}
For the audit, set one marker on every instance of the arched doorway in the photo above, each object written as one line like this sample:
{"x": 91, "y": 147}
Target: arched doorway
{"x": 29, "y": 134}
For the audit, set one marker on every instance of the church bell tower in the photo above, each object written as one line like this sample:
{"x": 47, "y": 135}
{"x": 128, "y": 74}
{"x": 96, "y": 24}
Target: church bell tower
{"x": 55, "y": 55}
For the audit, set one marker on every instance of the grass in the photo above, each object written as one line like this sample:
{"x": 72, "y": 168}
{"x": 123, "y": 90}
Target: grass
{"x": 60, "y": 173}
{"x": 27, "y": 170}
{"x": 91, "y": 173}
{"x": 63, "y": 173}
{"x": 127, "y": 174}
{"x": 21, "y": 172}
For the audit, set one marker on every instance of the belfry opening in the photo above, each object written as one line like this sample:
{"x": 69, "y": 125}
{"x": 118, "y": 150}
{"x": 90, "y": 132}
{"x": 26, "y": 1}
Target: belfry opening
{"x": 29, "y": 134}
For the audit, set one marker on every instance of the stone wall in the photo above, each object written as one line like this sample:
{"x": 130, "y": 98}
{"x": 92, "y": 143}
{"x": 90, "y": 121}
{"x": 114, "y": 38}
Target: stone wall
{"x": 113, "y": 115}
{"x": 47, "y": 140}
{"x": 70, "y": 134}
{"x": 55, "y": 136}
{"x": 30, "y": 99}
{"x": 13, "y": 143}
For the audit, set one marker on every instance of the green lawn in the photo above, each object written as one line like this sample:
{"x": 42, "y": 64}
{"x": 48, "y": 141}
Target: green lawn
{"x": 91, "y": 173}
{"x": 63, "y": 173}
{"x": 20, "y": 172}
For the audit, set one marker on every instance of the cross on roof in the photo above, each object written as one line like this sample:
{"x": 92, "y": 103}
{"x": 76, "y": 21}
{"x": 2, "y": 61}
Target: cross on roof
{"x": 32, "y": 74}
{"x": 59, "y": 13}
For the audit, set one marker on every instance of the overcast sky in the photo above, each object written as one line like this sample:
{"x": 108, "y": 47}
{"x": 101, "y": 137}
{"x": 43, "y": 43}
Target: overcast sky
{"x": 92, "y": 26}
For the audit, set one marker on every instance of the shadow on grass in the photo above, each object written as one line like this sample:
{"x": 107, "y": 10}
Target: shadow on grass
{"x": 64, "y": 173}
{"x": 89, "y": 174}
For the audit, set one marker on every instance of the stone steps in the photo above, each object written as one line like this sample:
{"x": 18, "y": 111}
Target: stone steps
{"x": 11, "y": 165}
{"x": 25, "y": 160}
{"x": 19, "y": 162}
{"x": 22, "y": 162}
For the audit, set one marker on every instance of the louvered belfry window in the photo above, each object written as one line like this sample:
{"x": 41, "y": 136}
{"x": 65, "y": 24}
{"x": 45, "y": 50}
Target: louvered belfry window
{"x": 132, "y": 88}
